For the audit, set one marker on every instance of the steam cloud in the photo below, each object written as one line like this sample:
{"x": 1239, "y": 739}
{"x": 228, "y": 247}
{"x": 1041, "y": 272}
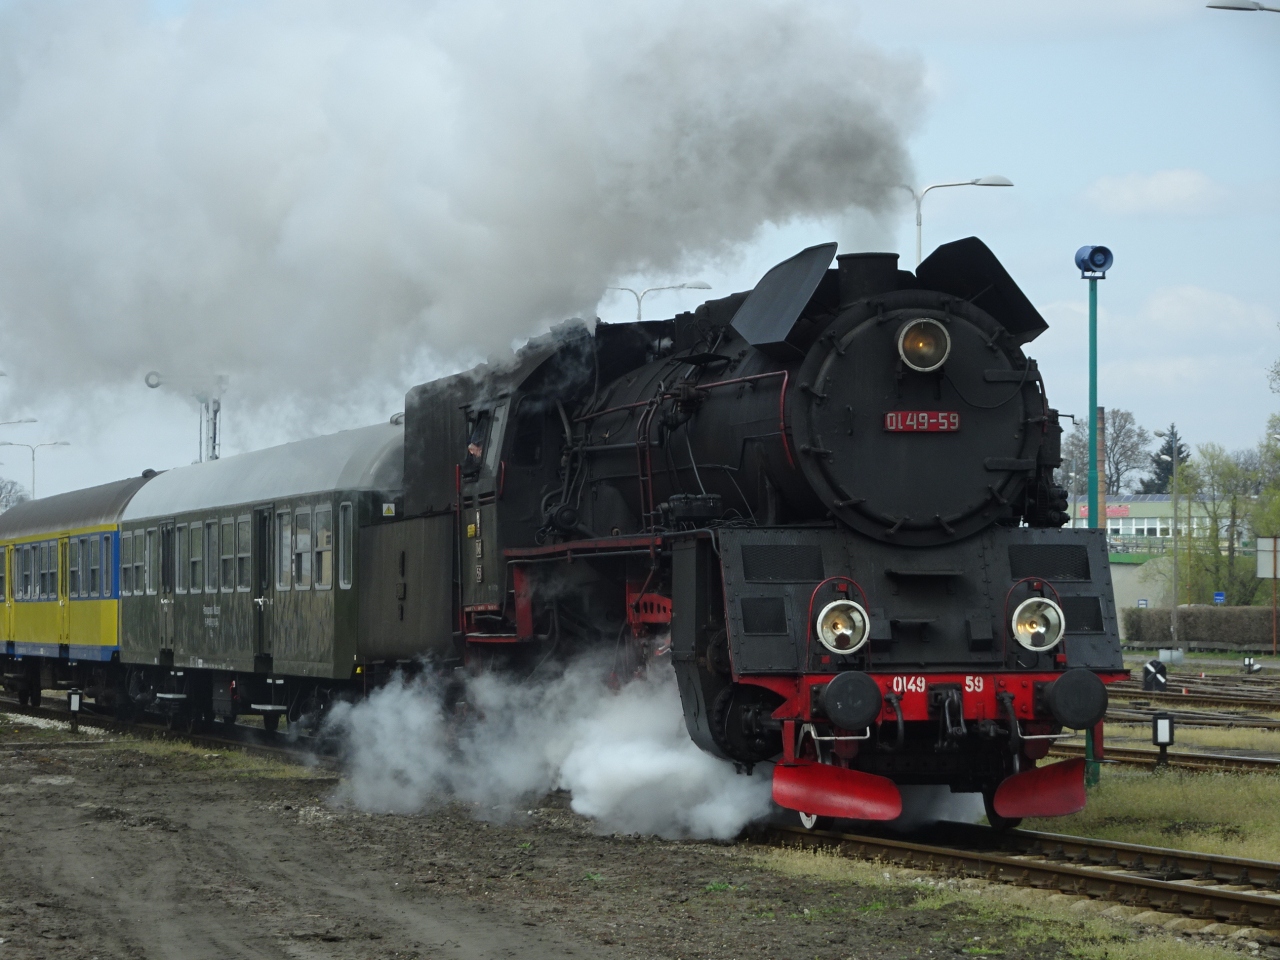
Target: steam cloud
{"x": 623, "y": 755}
{"x": 310, "y": 195}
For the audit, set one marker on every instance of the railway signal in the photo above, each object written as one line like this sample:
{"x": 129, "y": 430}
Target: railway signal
{"x": 1155, "y": 677}
{"x": 1162, "y": 736}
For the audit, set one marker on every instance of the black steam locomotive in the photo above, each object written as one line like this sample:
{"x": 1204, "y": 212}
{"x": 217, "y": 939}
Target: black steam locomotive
{"x": 831, "y": 496}
{"x": 828, "y": 500}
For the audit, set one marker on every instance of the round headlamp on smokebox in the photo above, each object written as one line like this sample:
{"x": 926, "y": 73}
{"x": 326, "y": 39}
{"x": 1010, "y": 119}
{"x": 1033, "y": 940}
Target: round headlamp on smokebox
{"x": 1038, "y": 624}
{"x": 843, "y": 627}
{"x": 924, "y": 344}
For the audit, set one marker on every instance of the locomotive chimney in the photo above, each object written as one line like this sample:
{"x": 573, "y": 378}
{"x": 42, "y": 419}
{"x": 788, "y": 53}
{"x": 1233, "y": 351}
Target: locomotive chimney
{"x": 865, "y": 275}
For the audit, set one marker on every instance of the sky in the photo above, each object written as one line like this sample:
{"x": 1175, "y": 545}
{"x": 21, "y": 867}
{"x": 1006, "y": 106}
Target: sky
{"x": 1152, "y": 128}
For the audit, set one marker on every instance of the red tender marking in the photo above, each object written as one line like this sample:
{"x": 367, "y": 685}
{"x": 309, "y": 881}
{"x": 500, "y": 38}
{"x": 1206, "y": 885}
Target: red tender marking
{"x": 1052, "y": 791}
{"x": 647, "y": 608}
{"x": 524, "y": 601}
{"x": 828, "y": 791}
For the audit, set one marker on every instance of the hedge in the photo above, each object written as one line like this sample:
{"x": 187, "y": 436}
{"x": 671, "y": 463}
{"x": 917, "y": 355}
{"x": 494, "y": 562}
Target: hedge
{"x": 1246, "y": 629}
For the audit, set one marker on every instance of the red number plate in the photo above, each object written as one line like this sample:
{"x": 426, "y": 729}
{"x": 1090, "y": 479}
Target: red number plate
{"x": 922, "y": 421}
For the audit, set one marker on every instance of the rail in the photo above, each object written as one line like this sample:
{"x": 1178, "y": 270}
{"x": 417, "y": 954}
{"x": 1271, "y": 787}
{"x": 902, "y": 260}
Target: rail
{"x": 1177, "y": 882}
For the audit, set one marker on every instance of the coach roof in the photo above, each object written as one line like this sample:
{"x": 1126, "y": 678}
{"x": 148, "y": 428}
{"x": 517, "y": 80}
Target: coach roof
{"x": 95, "y": 506}
{"x": 368, "y": 458}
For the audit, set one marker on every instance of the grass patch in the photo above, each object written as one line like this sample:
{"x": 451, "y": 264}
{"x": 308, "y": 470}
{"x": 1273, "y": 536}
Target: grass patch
{"x": 1026, "y": 918}
{"x": 1227, "y": 813}
{"x": 229, "y": 762}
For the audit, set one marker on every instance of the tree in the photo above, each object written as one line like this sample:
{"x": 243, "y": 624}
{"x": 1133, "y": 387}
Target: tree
{"x": 1126, "y": 448}
{"x": 11, "y": 494}
{"x": 1162, "y": 470}
{"x": 1224, "y": 486}
{"x": 1075, "y": 460}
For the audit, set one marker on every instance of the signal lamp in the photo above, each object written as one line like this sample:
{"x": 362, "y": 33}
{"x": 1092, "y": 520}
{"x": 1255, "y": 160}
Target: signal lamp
{"x": 843, "y": 627}
{"x": 1038, "y": 624}
{"x": 924, "y": 344}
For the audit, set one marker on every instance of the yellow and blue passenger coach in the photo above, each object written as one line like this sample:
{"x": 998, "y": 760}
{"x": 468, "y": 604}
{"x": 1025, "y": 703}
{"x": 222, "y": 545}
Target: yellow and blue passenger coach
{"x": 61, "y": 593}
{"x": 212, "y": 590}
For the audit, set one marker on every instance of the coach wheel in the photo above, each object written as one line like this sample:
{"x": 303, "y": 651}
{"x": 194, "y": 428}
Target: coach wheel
{"x": 997, "y": 822}
{"x": 34, "y": 696}
{"x": 271, "y": 722}
{"x": 811, "y": 821}
{"x": 23, "y": 697}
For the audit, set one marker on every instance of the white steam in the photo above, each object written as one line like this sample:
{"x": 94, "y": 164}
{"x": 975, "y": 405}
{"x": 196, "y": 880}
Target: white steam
{"x": 623, "y": 755}
{"x": 308, "y": 195}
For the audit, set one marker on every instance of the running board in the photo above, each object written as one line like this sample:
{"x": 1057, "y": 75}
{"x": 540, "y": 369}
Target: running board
{"x": 267, "y": 708}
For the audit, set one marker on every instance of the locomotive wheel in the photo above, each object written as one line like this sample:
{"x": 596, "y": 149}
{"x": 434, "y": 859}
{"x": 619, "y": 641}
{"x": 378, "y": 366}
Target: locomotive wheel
{"x": 736, "y": 717}
{"x": 997, "y": 822}
{"x": 811, "y": 821}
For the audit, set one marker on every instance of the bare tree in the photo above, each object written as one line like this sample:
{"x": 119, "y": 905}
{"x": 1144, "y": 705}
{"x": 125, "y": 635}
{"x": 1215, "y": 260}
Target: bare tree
{"x": 11, "y": 493}
{"x": 1127, "y": 448}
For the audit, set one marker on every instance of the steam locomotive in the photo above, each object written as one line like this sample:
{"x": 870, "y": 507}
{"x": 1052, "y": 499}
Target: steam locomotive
{"x": 828, "y": 500}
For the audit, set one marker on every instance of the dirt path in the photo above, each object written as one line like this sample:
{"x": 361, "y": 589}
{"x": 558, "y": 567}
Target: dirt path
{"x": 158, "y": 851}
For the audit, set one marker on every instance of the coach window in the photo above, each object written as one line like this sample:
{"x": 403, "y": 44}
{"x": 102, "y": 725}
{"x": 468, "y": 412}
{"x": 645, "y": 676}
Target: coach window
{"x": 211, "y": 556}
{"x": 323, "y": 535}
{"x": 96, "y": 566}
{"x": 284, "y": 548}
{"x": 85, "y": 560}
{"x": 195, "y": 556}
{"x": 228, "y": 555}
{"x": 73, "y": 568}
{"x": 244, "y": 554}
{"x": 139, "y": 561}
{"x": 24, "y": 557}
{"x": 302, "y": 550}
{"x": 346, "y": 533}
{"x": 44, "y": 571}
{"x": 153, "y": 560}
{"x": 181, "y": 555}
{"x": 126, "y": 564}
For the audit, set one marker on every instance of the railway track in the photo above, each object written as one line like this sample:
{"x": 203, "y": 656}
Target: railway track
{"x": 1179, "y": 883}
{"x": 1192, "y": 718}
{"x": 1137, "y": 756}
{"x": 1193, "y": 698}
{"x": 245, "y": 739}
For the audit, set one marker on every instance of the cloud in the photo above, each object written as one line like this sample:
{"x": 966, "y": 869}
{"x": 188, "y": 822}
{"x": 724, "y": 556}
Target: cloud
{"x": 1163, "y": 193}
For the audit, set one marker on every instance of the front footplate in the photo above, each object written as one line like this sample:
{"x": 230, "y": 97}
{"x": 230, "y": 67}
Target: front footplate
{"x": 827, "y": 791}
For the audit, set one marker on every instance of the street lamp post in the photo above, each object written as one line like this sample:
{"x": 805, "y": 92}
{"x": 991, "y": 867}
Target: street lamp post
{"x": 691, "y": 285}
{"x": 1173, "y": 488}
{"x": 33, "y": 447}
{"x": 1094, "y": 262}
{"x": 995, "y": 180}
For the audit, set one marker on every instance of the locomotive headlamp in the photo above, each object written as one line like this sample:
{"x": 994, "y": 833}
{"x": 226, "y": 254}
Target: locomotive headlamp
{"x": 1038, "y": 624}
{"x": 843, "y": 626}
{"x": 924, "y": 344}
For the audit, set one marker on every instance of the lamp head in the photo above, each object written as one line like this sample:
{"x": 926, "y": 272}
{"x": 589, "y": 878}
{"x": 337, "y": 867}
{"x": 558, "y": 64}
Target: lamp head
{"x": 1038, "y": 624}
{"x": 696, "y": 285}
{"x": 1094, "y": 262}
{"x": 994, "y": 180}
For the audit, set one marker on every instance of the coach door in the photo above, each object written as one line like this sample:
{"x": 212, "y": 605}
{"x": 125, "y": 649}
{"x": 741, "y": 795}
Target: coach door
{"x": 9, "y": 592}
{"x": 64, "y": 594}
{"x": 168, "y": 574}
{"x": 263, "y": 596}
